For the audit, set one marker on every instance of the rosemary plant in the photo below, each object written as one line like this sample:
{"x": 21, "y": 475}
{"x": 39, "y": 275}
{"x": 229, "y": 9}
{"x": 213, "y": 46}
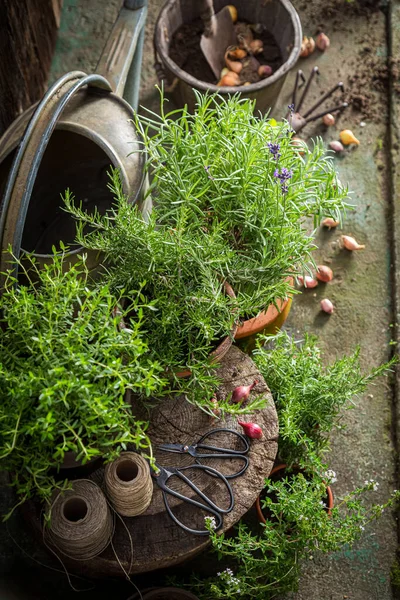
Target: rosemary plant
{"x": 232, "y": 174}
{"x": 171, "y": 272}
{"x": 308, "y": 395}
{"x": 65, "y": 365}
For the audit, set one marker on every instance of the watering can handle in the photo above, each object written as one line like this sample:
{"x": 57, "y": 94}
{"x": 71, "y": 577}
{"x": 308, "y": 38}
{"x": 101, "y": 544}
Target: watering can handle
{"x": 122, "y": 54}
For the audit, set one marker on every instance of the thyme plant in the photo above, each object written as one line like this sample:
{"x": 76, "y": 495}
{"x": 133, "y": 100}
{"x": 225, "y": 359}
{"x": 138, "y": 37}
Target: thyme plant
{"x": 232, "y": 174}
{"x": 65, "y": 365}
{"x": 260, "y": 562}
{"x": 266, "y": 562}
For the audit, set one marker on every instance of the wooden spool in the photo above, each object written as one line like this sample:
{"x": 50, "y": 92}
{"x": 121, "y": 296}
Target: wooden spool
{"x": 157, "y": 541}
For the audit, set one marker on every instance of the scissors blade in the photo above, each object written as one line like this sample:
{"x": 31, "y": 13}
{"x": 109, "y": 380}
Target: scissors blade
{"x": 178, "y": 448}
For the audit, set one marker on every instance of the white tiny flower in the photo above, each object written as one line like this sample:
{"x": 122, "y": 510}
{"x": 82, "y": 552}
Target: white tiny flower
{"x": 322, "y": 503}
{"x": 362, "y": 528}
{"x": 331, "y": 476}
{"x": 366, "y": 482}
{"x": 210, "y": 522}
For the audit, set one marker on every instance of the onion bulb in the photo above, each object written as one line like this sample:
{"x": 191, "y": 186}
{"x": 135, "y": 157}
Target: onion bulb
{"x": 307, "y": 281}
{"x": 351, "y": 244}
{"x": 324, "y": 273}
{"x": 242, "y": 392}
{"x": 252, "y": 430}
{"x": 330, "y": 223}
{"x": 327, "y": 306}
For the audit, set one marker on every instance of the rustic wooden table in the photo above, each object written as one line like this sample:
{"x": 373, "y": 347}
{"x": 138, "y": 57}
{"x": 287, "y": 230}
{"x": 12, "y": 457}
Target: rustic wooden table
{"x": 157, "y": 541}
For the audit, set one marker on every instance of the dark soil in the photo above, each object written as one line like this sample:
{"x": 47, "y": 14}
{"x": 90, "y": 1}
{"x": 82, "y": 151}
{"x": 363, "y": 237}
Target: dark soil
{"x": 366, "y": 86}
{"x": 370, "y": 76}
{"x": 185, "y": 51}
{"x": 337, "y": 9}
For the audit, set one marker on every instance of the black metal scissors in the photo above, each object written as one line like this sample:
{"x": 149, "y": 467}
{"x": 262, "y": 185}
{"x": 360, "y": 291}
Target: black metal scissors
{"x": 161, "y": 477}
{"x": 200, "y": 451}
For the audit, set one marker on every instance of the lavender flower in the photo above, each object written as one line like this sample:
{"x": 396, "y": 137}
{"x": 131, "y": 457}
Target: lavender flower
{"x": 274, "y": 149}
{"x": 283, "y": 177}
{"x": 207, "y": 169}
{"x": 291, "y": 108}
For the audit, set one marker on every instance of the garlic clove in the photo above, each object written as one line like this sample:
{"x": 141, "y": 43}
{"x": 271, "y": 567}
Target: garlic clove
{"x": 330, "y": 223}
{"x": 310, "y": 45}
{"x": 323, "y": 42}
{"x": 328, "y": 120}
{"x": 224, "y": 72}
{"x": 264, "y": 71}
{"x": 327, "y": 306}
{"x": 304, "y": 50}
{"x": 347, "y": 137}
{"x": 256, "y": 46}
{"x": 336, "y": 146}
{"x": 351, "y": 243}
{"x": 324, "y": 273}
{"x": 234, "y": 12}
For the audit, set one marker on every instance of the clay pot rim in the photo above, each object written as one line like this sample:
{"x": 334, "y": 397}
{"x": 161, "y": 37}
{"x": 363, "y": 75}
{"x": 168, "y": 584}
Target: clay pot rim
{"x": 253, "y": 87}
{"x": 264, "y": 319}
{"x": 282, "y": 467}
{"x": 218, "y": 354}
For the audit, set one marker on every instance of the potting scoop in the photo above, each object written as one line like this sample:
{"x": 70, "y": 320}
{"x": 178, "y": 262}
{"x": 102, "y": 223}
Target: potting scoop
{"x": 218, "y": 35}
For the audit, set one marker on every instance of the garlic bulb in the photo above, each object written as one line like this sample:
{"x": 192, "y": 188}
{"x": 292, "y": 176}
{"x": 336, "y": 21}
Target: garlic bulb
{"x": 323, "y": 42}
{"x": 328, "y": 120}
{"x": 347, "y": 137}
{"x": 234, "y": 13}
{"x": 336, "y": 146}
{"x": 264, "y": 71}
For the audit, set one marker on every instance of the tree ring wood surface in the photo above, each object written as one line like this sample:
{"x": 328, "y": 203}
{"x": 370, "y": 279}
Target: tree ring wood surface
{"x": 157, "y": 541}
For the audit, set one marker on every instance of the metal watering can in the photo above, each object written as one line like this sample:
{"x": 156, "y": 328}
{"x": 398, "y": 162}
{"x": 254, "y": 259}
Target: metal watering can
{"x": 69, "y": 140}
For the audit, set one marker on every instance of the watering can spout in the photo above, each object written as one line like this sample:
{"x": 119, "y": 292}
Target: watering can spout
{"x": 122, "y": 54}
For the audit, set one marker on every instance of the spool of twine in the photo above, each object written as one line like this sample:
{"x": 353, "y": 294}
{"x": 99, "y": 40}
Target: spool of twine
{"x": 81, "y": 523}
{"x": 128, "y": 484}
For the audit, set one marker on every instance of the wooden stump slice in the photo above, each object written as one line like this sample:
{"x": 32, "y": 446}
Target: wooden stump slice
{"x": 156, "y": 540}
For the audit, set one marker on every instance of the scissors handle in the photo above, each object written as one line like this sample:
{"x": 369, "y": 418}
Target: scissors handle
{"x": 208, "y": 506}
{"x": 238, "y": 435}
{"x": 217, "y": 516}
{"x": 200, "y": 457}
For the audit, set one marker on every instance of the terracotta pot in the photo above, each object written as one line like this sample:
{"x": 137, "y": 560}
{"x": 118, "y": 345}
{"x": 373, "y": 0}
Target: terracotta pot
{"x": 70, "y": 461}
{"x": 282, "y": 467}
{"x": 218, "y": 354}
{"x": 281, "y": 20}
{"x": 266, "y": 323}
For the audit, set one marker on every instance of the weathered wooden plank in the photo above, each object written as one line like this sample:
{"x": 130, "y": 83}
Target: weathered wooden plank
{"x": 28, "y": 31}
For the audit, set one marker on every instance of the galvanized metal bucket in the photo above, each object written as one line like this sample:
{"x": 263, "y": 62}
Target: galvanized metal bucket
{"x": 280, "y": 18}
{"x": 70, "y": 139}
